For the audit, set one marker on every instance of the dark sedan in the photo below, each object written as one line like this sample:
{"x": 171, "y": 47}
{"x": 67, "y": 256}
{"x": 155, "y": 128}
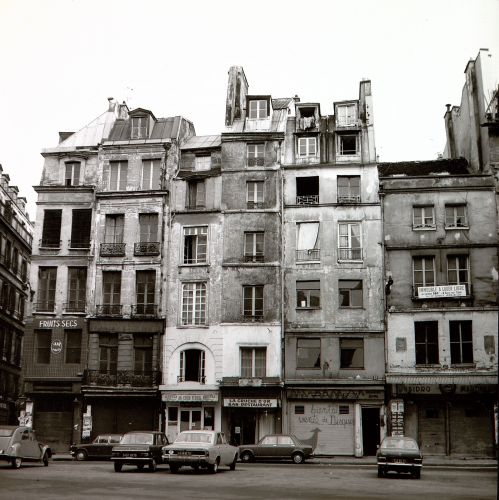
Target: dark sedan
{"x": 399, "y": 454}
{"x": 276, "y": 447}
{"x": 99, "y": 448}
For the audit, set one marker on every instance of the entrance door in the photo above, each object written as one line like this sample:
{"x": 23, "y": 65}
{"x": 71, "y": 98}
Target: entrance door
{"x": 370, "y": 430}
{"x": 243, "y": 427}
{"x": 190, "y": 420}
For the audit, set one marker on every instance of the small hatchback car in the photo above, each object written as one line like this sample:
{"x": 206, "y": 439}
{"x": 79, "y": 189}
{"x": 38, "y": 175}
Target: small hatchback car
{"x": 399, "y": 454}
{"x": 18, "y": 444}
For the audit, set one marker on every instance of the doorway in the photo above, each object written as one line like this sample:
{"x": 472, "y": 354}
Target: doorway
{"x": 243, "y": 427}
{"x": 370, "y": 430}
{"x": 190, "y": 420}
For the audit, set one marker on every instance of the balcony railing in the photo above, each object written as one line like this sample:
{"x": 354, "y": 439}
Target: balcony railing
{"x": 112, "y": 249}
{"x": 307, "y": 255}
{"x": 254, "y": 258}
{"x": 348, "y": 199}
{"x": 122, "y": 378}
{"x": 254, "y": 204}
{"x": 78, "y": 245}
{"x": 53, "y": 245}
{"x": 252, "y": 318}
{"x": 75, "y": 306}
{"x": 201, "y": 379}
{"x": 146, "y": 248}
{"x": 350, "y": 254}
{"x": 109, "y": 309}
{"x": 309, "y": 199}
{"x": 256, "y": 162}
{"x": 45, "y": 306}
{"x": 144, "y": 310}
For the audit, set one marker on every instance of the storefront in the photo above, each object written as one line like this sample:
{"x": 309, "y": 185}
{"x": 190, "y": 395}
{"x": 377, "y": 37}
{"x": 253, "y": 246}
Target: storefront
{"x": 344, "y": 421}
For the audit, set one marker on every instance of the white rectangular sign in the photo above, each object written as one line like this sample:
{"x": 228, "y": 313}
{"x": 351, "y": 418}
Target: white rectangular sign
{"x": 436, "y": 292}
{"x": 250, "y": 402}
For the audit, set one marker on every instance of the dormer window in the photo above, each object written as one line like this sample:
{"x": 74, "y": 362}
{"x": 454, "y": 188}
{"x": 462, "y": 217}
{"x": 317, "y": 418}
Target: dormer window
{"x": 72, "y": 177}
{"x": 346, "y": 115}
{"x": 139, "y": 127}
{"x": 258, "y": 109}
{"x": 307, "y": 117}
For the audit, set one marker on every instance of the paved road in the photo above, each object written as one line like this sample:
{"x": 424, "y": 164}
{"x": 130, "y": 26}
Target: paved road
{"x": 96, "y": 480}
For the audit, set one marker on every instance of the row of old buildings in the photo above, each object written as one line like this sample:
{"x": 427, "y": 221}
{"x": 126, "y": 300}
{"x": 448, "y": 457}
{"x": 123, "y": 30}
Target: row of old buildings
{"x": 273, "y": 278}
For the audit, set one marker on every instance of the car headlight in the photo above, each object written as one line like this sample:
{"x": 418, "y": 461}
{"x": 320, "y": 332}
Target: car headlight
{"x": 382, "y": 459}
{"x": 1, "y": 452}
{"x": 171, "y": 452}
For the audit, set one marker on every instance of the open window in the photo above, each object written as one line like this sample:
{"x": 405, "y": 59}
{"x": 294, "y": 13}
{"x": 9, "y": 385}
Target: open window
{"x": 192, "y": 366}
{"x": 307, "y": 190}
{"x": 307, "y": 244}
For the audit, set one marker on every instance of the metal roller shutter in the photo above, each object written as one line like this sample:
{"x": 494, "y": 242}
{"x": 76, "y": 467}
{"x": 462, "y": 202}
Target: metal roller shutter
{"x": 54, "y": 429}
{"x": 431, "y": 418}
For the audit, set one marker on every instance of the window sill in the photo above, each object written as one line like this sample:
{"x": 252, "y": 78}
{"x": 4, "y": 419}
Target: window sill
{"x": 201, "y": 264}
{"x": 316, "y": 369}
{"x": 463, "y": 365}
{"x": 424, "y": 228}
{"x": 308, "y": 308}
{"x": 456, "y": 228}
{"x": 429, "y": 365}
{"x": 351, "y": 307}
{"x": 353, "y": 261}
{"x": 356, "y": 368}
{"x": 193, "y": 326}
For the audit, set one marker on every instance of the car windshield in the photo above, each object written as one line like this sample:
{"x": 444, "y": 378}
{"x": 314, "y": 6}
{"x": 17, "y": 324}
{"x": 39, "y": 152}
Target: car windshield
{"x": 6, "y": 432}
{"x": 194, "y": 437}
{"x": 399, "y": 443}
{"x": 138, "y": 438}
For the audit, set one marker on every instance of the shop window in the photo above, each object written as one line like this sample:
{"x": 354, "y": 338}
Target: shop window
{"x": 47, "y": 277}
{"x": 80, "y": 228}
{"x": 253, "y": 246}
{"x": 142, "y": 348}
{"x": 351, "y": 353}
{"x": 256, "y": 154}
{"x": 307, "y": 190}
{"x": 253, "y": 362}
{"x": 308, "y": 353}
{"x": 455, "y": 216}
{"x": 461, "y": 342}
{"x": 73, "y": 346}
{"x": 423, "y": 269}
{"x": 77, "y": 289}
{"x": 307, "y": 241}
{"x": 254, "y": 194}
{"x": 426, "y": 339}
{"x": 192, "y": 366}
{"x": 308, "y": 294}
{"x": 423, "y": 217}
{"x": 196, "y": 194}
{"x": 209, "y": 418}
{"x": 118, "y": 175}
{"x": 108, "y": 353}
{"x": 151, "y": 174}
{"x": 253, "y": 302}
{"x": 195, "y": 244}
{"x": 194, "y": 304}
{"x": 349, "y": 241}
{"x": 51, "y": 231}
{"x": 172, "y": 415}
{"x": 72, "y": 174}
{"x": 348, "y": 189}
{"x": 350, "y": 293}
{"x": 42, "y": 342}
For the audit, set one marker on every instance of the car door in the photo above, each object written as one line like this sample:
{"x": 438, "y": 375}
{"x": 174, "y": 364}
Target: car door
{"x": 30, "y": 445}
{"x": 225, "y": 452}
{"x": 267, "y": 447}
{"x": 102, "y": 447}
{"x": 285, "y": 446}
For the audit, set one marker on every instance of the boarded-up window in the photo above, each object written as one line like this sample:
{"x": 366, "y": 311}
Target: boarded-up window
{"x": 51, "y": 232}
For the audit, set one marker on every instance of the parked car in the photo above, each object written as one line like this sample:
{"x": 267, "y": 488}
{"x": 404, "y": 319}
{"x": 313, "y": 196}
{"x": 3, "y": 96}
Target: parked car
{"x": 100, "y": 448}
{"x": 19, "y": 443}
{"x": 139, "y": 448}
{"x": 276, "y": 447}
{"x": 205, "y": 449}
{"x": 400, "y": 454}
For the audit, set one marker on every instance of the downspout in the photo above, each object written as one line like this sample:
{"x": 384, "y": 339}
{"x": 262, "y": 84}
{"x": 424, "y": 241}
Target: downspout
{"x": 281, "y": 256}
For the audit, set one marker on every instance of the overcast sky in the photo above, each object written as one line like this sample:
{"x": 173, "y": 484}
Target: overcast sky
{"x": 60, "y": 60}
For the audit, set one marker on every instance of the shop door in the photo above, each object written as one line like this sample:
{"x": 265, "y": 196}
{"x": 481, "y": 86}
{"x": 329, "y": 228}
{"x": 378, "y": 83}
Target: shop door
{"x": 190, "y": 420}
{"x": 370, "y": 430}
{"x": 243, "y": 427}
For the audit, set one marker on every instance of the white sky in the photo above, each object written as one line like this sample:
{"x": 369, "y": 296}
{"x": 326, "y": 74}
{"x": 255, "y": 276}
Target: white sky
{"x": 61, "y": 59}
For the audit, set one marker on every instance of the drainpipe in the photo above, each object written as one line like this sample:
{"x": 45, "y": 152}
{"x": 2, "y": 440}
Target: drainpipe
{"x": 281, "y": 255}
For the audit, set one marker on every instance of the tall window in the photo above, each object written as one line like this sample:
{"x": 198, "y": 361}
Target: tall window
{"x": 195, "y": 244}
{"x": 77, "y": 289}
{"x": 139, "y": 127}
{"x": 349, "y": 241}
{"x": 108, "y": 350}
{"x": 142, "y": 347}
{"x": 346, "y": 115}
{"x": 455, "y": 216}
{"x": 307, "y": 241}
{"x": 194, "y": 304}
{"x": 350, "y": 293}
{"x": 307, "y": 146}
{"x": 15, "y": 260}
{"x": 51, "y": 231}
{"x": 192, "y": 366}
{"x": 42, "y": 340}
{"x": 254, "y": 194}
{"x": 202, "y": 162}
{"x": 258, "y": 109}
{"x": 118, "y": 175}
{"x": 151, "y": 174}
{"x": 253, "y": 302}
{"x": 80, "y": 228}
{"x": 461, "y": 342}
{"x": 426, "y": 339}
{"x": 423, "y": 272}
{"x": 256, "y": 154}
{"x": 348, "y": 189}
{"x": 148, "y": 224}
{"x": 47, "y": 277}
{"x": 458, "y": 271}
{"x": 145, "y": 291}
{"x": 347, "y": 145}
{"x": 72, "y": 177}
{"x": 308, "y": 353}
{"x": 73, "y": 346}
{"x": 308, "y": 294}
{"x": 196, "y": 194}
{"x": 423, "y": 217}
{"x": 253, "y": 246}
{"x": 253, "y": 362}
{"x": 111, "y": 292}
{"x": 8, "y": 253}
{"x": 115, "y": 224}
{"x": 351, "y": 353}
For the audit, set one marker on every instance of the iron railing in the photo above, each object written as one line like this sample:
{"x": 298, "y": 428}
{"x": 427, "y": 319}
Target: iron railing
{"x": 350, "y": 254}
{"x": 112, "y": 249}
{"x": 122, "y": 378}
{"x": 79, "y": 245}
{"x": 309, "y": 199}
{"x": 146, "y": 248}
{"x": 201, "y": 379}
{"x": 144, "y": 310}
{"x": 311, "y": 254}
{"x": 74, "y": 306}
{"x": 108, "y": 309}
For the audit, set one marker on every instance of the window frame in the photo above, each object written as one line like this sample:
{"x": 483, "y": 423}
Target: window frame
{"x": 256, "y": 371}
{"x": 423, "y": 225}
{"x": 341, "y": 151}
{"x": 317, "y": 365}
{"x": 349, "y": 249}
{"x": 252, "y": 198}
{"x": 352, "y": 297}
{"x": 114, "y": 232}
{"x": 431, "y": 346}
{"x": 250, "y": 297}
{"x": 121, "y": 168}
{"x": 251, "y": 254}
{"x": 424, "y": 259}
{"x": 455, "y": 216}
{"x": 202, "y": 162}
{"x": 194, "y": 301}
{"x": 72, "y": 173}
{"x": 51, "y": 228}
{"x": 305, "y": 144}
{"x": 465, "y": 346}
{"x": 255, "y": 154}
{"x": 46, "y": 290}
{"x": 43, "y": 356}
{"x": 344, "y": 347}
{"x": 347, "y": 120}
{"x": 150, "y": 175}
{"x": 193, "y": 244}
{"x": 76, "y": 288}
{"x": 201, "y": 369}
{"x": 458, "y": 270}
{"x": 143, "y": 354}
{"x": 139, "y": 127}
{"x": 304, "y": 293}
{"x": 348, "y": 197}
{"x": 72, "y": 352}
{"x": 195, "y": 194}
{"x": 256, "y": 111}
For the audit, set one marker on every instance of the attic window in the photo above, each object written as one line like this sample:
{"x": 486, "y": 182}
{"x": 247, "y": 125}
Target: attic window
{"x": 307, "y": 112}
{"x": 258, "y": 109}
{"x": 139, "y": 127}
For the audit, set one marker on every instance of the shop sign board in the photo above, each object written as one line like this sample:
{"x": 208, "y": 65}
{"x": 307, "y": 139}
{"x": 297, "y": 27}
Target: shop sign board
{"x": 250, "y": 402}
{"x": 423, "y": 389}
{"x": 181, "y": 397}
{"x": 59, "y": 323}
{"x": 443, "y": 291}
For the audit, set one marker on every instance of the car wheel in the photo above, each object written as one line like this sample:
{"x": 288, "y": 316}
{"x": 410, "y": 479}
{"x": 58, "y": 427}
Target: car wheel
{"x": 45, "y": 459}
{"x": 153, "y": 466}
{"x": 381, "y": 473}
{"x": 174, "y": 468}
{"x": 416, "y": 474}
{"x": 117, "y": 467}
{"x": 298, "y": 458}
{"x": 232, "y": 466}
{"x": 140, "y": 466}
{"x": 16, "y": 462}
{"x": 81, "y": 455}
{"x": 247, "y": 456}
{"x": 214, "y": 468}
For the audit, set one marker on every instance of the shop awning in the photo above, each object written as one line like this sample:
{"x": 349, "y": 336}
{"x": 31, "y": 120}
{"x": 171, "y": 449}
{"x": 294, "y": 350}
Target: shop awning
{"x": 439, "y": 379}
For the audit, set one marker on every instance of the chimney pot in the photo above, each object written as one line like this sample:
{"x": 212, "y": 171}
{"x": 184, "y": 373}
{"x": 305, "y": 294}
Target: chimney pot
{"x": 448, "y": 106}
{"x": 296, "y": 98}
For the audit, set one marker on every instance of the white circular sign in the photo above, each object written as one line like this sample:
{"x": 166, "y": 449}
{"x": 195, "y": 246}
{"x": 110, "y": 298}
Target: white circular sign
{"x": 56, "y": 346}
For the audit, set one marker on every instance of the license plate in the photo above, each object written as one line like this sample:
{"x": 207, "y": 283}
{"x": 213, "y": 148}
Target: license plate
{"x": 184, "y": 453}
{"x": 130, "y": 455}
{"x": 399, "y": 460}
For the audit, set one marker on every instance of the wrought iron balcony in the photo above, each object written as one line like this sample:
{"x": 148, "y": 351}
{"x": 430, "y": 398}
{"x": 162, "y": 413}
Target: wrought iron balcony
{"x": 350, "y": 254}
{"x": 45, "y": 306}
{"x": 78, "y": 244}
{"x": 112, "y": 249}
{"x": 122, "y": 378}
{"x": 109, "y": 309}
{"x": 256, "y": 162}
{"x": 252, "y": 318}
{"x": 251, "y": 205}
{"x": 309, "y": 199}
{"x": 307, "y": 255}
{"x": 253, "y": 258}
{"x": 146, "y": 248}
{"x": 144, "y": 310}
{"x": 348, "y": 199}
{"x": 181, "y": 378}
{"x": 74, "y": 306}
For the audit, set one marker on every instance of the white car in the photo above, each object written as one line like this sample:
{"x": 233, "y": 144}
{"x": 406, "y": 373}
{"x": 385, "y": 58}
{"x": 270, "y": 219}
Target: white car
{"x": 205, "y": 449}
